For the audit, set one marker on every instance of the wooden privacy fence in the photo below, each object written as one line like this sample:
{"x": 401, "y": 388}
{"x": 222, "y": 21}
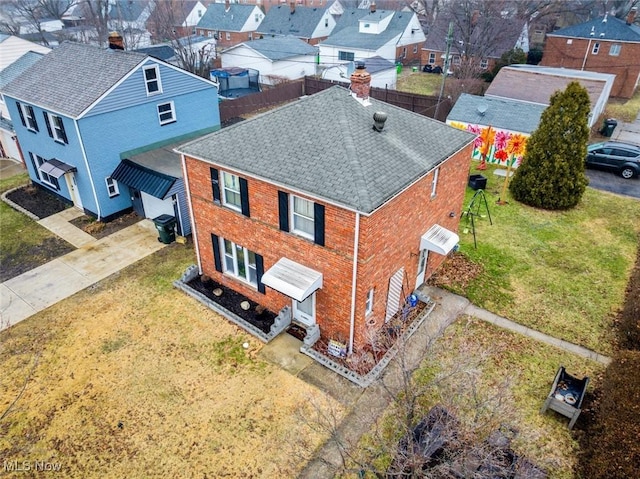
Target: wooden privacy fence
{"x": 272, "y": 97}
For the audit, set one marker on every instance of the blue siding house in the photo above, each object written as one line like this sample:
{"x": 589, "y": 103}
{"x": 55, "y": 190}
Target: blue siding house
{"x": 85, "y": 114}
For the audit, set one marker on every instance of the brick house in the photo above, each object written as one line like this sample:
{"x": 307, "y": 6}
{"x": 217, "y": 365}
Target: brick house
{"x": 326, "y": 208}
{"x": 605, "y": 45}
{"x": 230, "y": 23}
{"x": 309, "y": 24}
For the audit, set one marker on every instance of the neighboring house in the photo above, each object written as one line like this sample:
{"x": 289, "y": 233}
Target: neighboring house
{"x": 501, "y": 125}
{"x": 97, "y": 108}
{"x": 9, "y": 147}
{"x": 230, "y": 23}
{"x": 267, "y": 5}
{"x": 478, "y": 45}
{"x": 605, "y": 45}
{"x": 12, "y": 48}
{"x": 536, "y": 84}
{"x": 311, "y": 24}
{"x": 174, "y": 19}
{"x": 162, "y": 52}
{"x": 359, "y": 34}
{"x": 324, "y": 207}
{"x": 45, "y": 24}
{"x": 384, "y": 74}
{"x": 276, "y": 58}
{"x": 129, "y": 15}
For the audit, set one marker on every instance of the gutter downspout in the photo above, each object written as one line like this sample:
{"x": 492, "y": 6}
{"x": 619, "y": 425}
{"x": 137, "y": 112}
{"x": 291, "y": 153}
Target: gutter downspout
{"x": 356, "y": 238}
{"x": 194, "y": 233}
{"x": 584, "y": 61}
{"x": 86, "y": 163}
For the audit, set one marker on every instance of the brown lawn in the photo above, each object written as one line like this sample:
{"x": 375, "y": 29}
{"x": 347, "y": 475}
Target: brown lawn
{"x": 132, "y": 378}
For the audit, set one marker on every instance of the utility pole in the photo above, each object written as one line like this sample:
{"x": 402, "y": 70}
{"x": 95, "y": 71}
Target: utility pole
{"x": 445, "y": 71}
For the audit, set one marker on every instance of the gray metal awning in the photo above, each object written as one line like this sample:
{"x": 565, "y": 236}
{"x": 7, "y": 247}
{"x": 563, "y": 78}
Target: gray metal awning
{"x": 439, "y": 240}
{"x": 292, "y": 279}
{"x": 56, "y": 168}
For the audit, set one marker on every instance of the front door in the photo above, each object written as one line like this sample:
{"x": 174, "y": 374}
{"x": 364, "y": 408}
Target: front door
{"x": 305, "y": 311}
{"x": 72, "y": 184}
{"x": 136, "y": 200}
{"x": 422, "y": 267}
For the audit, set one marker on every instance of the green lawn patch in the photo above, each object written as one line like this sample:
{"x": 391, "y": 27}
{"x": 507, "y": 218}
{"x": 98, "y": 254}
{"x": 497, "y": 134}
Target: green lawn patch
{"x": 563, "y": 273}
{"x": 419, "y": 83}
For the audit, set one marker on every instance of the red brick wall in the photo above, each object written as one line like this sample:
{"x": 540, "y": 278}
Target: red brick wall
{"x": 235, "y": 38}
{"x": 411, "y": 56}
{"x": 424, "y": 59}
{"x": 625, "y": 66}
{"x": 388, "y": 238}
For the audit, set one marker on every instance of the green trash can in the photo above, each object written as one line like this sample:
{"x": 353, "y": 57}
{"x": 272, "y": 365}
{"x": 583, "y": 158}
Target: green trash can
{"x": 399, "y": 67}
{"x": 608, "y": 127}
{"x": 166, "y": 226}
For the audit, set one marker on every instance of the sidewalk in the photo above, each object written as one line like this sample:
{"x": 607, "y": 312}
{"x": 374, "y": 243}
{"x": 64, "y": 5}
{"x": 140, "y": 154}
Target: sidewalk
{"x": 94, "y": 260}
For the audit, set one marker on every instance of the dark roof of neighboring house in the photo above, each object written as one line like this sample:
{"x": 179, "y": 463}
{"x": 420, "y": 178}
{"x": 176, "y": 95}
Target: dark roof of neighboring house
{"x": 18, "y": 67}
{"x": 377, "y": 64}
{"x": 179, "y": 11}
{"x": 499, "y": 113}
{"x": 325, "y": 146}
{"x": 77, "y": 75}
{"x": 491, "y": 37}
{"x": 279, "y": 48}
{"x": 161, "y": 52}
{"x": 218, "y": 18}
{"x": 280, "y": 21}
{"x": 347, "y": 33}
{"x": 127, "y": 10}
{"x": 613, "y": 29}
{"x": 536, "y": 84}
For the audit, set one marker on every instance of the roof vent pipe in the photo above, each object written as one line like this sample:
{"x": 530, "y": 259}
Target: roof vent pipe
{"x": 379, "y": 119}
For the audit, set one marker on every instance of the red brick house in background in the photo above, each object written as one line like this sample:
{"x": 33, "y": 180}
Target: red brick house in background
{"x": 230, "y": 23}
{"x": 605, "y": 45}
{"x": 323, "y": 206}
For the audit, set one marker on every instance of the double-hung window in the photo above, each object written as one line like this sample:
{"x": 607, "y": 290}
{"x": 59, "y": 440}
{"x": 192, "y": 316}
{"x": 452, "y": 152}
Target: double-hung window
{"x": 112, "y": 187}
{"x": 46, "y": 178}
{"x": 614, "y": 50}
{"x": 152, "y": 79}
{"x": 369, "y": 304}
{"x": 55, "y": 127}
{"x": 302, "y": 217}
{"x": 595, "y": 49}
{"x": 27, "y": 116}
{"x": 231, "y": 191}
{"x": 239, "y": 262}
{"x": 166, "y": 113}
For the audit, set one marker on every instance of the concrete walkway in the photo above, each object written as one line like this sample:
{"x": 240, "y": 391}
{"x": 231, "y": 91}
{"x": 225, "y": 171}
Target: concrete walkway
{"x": 366, "y": 405}
{"x": 94, "y": 260}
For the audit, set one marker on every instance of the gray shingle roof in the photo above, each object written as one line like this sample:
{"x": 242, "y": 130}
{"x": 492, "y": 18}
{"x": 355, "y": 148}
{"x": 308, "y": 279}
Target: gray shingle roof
{"x": 18, "y": 67}
{"x": 218, "y": 18}
{"x": 76, "y": 76}
{"x": 280, "y": 21}
{"x": 127, "y": 10}
{"x": 613, "y": 29}
{"x": 280, "y": 48}
{"x": 500, "y": 113}
{"x": 324, "y": 145}
{"x": 347, "y": 34}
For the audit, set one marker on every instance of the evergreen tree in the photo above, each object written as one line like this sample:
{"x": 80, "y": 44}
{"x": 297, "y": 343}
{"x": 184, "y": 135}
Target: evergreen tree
{"x": 552, "y": 174}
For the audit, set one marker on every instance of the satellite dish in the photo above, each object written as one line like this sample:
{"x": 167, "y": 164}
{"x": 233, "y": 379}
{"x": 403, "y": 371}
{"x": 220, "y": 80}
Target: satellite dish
{"x": 482, "y": 108}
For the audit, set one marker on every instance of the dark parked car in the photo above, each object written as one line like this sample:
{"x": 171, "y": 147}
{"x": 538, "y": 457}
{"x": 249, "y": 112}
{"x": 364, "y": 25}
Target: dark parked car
{"x": 623, "y": 158}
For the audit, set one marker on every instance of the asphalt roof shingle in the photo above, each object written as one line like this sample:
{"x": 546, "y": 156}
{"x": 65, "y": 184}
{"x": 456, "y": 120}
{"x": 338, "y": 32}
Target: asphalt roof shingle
{"x": 603, "y": 28}
{"x": 217, "y": 17}
{"x": 76, "y": 76}
{"x": 324, "y": 145}
{"x": 18, "y": 67}
{"x": 279, "y": 48}
{"x": 280, "y": 21}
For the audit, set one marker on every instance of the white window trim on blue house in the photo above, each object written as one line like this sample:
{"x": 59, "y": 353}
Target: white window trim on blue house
{"x": 56, "y": 128}
{"x": 44, "y": 177}
{"x": 28, "y": 116}
{"x": 112, "y": 187}
{"x": 166, "y": 113}
{"x": 152, "y": 83}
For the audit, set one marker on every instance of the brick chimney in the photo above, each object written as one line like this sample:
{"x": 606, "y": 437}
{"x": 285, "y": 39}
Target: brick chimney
{"x": 115, "y": 41}
{"x": 292, "y": 7}
{"x": 631, "y": 16}
{"x": 360, "y": 84}
{"x": 373, "y": 6}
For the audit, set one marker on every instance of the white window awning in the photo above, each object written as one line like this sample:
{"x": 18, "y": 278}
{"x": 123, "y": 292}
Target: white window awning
{"x": 292, "y": 279}
{"x": 439, "y": 240}
{"x": 56, "y": 168}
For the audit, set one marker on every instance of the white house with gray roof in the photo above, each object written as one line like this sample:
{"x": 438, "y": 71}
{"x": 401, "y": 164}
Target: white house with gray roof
{"x": 276, "y": 58}
{"x": 311, "y": 24}
{"x": 396, "y": 36}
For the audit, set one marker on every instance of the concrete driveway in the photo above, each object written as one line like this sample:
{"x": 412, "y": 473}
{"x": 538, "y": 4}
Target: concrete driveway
{"x": 614, "y": 183}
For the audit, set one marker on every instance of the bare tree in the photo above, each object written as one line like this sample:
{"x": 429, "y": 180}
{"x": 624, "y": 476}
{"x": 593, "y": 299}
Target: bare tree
{"x": 33, "y": 13}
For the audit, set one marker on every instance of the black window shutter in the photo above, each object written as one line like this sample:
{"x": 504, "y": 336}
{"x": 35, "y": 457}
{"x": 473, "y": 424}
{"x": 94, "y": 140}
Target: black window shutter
{"x": 283, "y": 210}
{"x": 318, "y": 221}
{"x": 35, "y": 165}
{"x": 244, "y": 196}
{"x": 215, "y": 185}
{"x": 48, "y": 123}
{"x": 260, "y": 272}
{"x": 33, "y": 115}
{"x": 216, "y": 252}
{"x": 22, "y": 120}
{"x": 63, "y": 133}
